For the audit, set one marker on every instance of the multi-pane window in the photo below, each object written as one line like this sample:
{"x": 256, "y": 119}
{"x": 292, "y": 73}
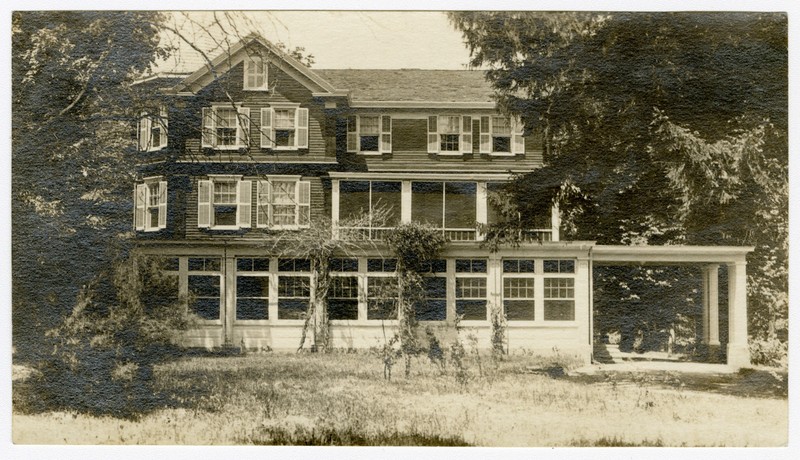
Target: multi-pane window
{"x": 255, "y": 73}
{"x": 381, "y": 289}
{"x": 449, "y": 134}
{"x": 226, "y": 127}
{"x": 559, "y": 266}
{"x": 150, "y": 210}
{"x": 369, "y": 134}
{"x": 284, "y": 128}
{"x": 370, "y": 206}
{"x": 294, "y": 288}
{"x": 343, "y": 298}
{"x": 518, "y": 289}
{"x": 152, "y": 132}
{"x": 252, "y": 289}
{"x": 559, "y": 299}
{"x": 224, "y": 202}
{"x": 471, "y": 288}
{"x": 204, "y": 282}
{"x": 501, "y": 135}
{"x": 284, "y": 203}
{"x": 448, "y": 205}
{"x": 434, "y": 305}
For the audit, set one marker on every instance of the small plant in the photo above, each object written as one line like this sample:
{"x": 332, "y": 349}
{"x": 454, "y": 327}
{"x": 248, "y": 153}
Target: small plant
{"x": 499, "y": 326}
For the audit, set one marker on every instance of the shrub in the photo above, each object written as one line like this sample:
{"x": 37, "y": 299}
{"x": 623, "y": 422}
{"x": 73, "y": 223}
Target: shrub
{"x": 769, "y": 352}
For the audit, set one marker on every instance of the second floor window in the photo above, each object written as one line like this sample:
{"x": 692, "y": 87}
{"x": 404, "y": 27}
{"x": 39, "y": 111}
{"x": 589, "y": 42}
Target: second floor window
{"x": 255, "y": 73}
{"x": 152, "y": 132}
{"x": 450, "y": 134}
{"x": 224, "y": 203}
{"x": 500, "y": 135}
{"x": 284, "y": 128}
{"x": 226, "y": 127}
{"x": 150, "y": 205}
{"x": 369, "y": 134}
{"x": 283, "y": 203}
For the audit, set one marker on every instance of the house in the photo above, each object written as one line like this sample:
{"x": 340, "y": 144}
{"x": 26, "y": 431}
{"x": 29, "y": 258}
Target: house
{"x": 256, "y": 144}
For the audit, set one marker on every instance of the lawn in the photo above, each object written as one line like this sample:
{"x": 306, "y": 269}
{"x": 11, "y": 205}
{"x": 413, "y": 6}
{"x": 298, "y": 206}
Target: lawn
{"x": 344, "y": 399}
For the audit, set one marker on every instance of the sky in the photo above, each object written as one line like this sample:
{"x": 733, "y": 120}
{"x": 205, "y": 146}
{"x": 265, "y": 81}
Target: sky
{"x": 337, "y": 39}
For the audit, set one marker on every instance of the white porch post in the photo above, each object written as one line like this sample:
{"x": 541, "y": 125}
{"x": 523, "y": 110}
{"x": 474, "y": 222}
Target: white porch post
{"x": 555, "y": 223}
{"x": 335, "y": 208}
{"x": 713, "y": 305}
{"x": 704, "y": 324}
{"x": 738, "y": 351}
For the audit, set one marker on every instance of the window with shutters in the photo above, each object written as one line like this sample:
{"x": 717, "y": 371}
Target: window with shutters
{"x": 369, "y": 134}
{"x": 501, "y": 135}
{"x": 284, "y": 128}
{"x": 150, "y": 198}
{"x": 449, "y": 134}
{"x": 226, "y": 127}
{"x": 152, "y": 130}
{"x": 224, "y": 203}
{"x": 283, "y": 203}
{"x": 255, "y": 74}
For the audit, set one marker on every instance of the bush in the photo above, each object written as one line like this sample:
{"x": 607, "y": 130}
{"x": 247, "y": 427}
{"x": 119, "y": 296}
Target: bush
{"x": 769, "y": 352}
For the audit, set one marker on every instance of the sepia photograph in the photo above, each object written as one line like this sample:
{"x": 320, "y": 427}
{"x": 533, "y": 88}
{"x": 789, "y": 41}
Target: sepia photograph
{"x": 399, "y": 228}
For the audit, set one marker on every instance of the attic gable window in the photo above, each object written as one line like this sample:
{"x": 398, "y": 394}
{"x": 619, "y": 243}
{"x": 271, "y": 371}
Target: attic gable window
{"x": 255, "y": 74}
{"x": 369, "y": 134}
{"x": 152, "y": 131}
{"x": 284, "y": 128}
{"x": 224, "y": 203}
{"x": 150, "y": 200}
{"x": 501, "y": 135}
{"x": 449, "y": 134}
{"x": 226, "y": 127}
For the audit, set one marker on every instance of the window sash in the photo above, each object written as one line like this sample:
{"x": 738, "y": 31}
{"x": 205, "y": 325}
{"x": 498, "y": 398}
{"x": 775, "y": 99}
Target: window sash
{"x": 255, "y": 73}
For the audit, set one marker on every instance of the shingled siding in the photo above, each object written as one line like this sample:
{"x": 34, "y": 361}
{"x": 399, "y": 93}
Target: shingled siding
{"x": 284, "y": 89}
{"x": 319, "y": 210}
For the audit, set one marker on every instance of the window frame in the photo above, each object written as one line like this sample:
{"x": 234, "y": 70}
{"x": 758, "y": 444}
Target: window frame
{"x": 516, "y": 141}
{"x": 211, "y": 273}
{"x": 384, "y": 134}
{"x": 208, "y": 126}
{"x": 302, "y": 202}
{"x": 149, "y": 122}
{"x": 253, "y": 274}
{"x": 471, "y": 274}
{"x": 253, "y": 72}
{"x": 435, "y": 133}
{"x": 564, "y": 273}
{"x": 205, "y": 198}
{"x": 307, "y": 275}
{"x": 519, "y": 274}
{"x": 143, "y": 204}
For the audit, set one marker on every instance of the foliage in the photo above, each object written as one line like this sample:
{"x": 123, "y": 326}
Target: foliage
{"x": 414, "y": 245}
{"x": 769, "y": 352}
{"x": 499, "y": 326}
{"x": 659, "y": 128}
{"x": 72, "y": 105}
{"x": 104, "y": 352}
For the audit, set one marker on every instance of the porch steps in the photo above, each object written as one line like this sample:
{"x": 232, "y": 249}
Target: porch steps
{"x": 609, "y": 354}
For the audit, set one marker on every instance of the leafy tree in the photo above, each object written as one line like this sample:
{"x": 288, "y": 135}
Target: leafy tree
{"x": 71, "y": 152}
{"x": 659, "y": 128}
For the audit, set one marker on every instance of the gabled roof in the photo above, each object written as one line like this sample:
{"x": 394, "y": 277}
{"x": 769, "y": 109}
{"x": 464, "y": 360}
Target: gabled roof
{"x": 411, "y": 85}
{"x": 237, "y": 53}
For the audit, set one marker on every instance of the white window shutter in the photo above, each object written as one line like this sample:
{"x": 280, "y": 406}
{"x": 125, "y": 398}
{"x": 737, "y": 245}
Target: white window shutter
{"x": 164, "y": 119}
{"x": 352, "y": 134}
{"x": 517, "y": 141}
{"x": 162, "y": 204}
{"x": 386, "y": 134}
{"x": 433, "y": 135}
{"x": 267, "y": 133}
{"x": 262, "y": 203}
{"x": 140, "y": 201}
{"x": 486, "y": 135}
{"x": 204, "y": 188}
{"x": 243, "y": 127}
{"x": 302, "y": 128}
{"x": 208, "y": 134}
{"x": 303, "y": 203}
{"x": 144, "y": 133}
{"x": 245, "y": 203}
{"x": 466, "y": 134}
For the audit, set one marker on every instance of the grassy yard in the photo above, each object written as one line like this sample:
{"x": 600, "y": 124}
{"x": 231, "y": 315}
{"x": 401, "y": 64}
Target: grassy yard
{"x": 343, "y": 398}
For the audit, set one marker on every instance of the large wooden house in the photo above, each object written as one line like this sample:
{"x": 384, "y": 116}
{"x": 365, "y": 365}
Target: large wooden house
{"x": 255, "y": 145}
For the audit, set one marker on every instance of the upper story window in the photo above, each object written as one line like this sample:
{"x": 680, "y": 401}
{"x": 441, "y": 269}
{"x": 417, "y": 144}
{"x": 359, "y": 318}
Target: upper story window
{"x": 226, "y": 127}
{"x": 369, "y": 134}
{"x": 450, "y": 134}
{"x": 500, "y": 135}
{"x": 224, "y": 203}
{"x": 284, "y": 128}
{"x": 150, "y": 200}
{"x": 283, "y": 203}
{"x": 255, "y": 73}
{"x": 152, "y": 132}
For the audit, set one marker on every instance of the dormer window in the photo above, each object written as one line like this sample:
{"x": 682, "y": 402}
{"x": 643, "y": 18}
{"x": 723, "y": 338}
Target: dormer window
{"x": 152, "y": 132}
{"x": 255, "y": 74}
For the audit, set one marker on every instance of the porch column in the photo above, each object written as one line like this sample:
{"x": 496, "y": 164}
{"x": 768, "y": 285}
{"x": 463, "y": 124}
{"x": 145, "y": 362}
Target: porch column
{"x": 712, "y": 274}
{"x": 738, "y": 351}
